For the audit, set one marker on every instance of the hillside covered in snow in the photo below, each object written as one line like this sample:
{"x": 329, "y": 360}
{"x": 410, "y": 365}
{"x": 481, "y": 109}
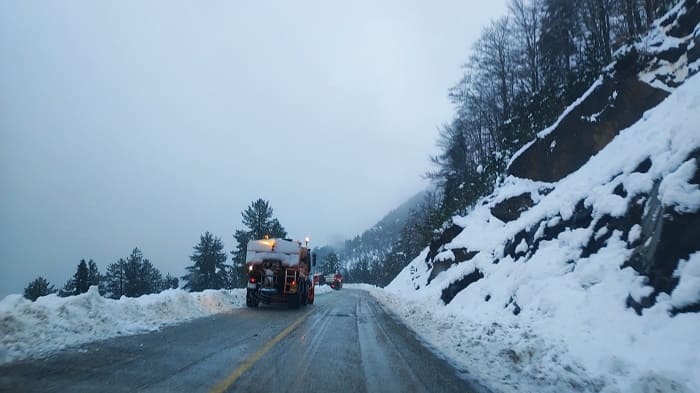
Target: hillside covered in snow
{"x": 581, "y": 271}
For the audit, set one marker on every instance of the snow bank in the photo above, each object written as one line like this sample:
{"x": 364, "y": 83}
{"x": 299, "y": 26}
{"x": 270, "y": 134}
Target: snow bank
{"x": 36, "y": 329}
{"x": 321, "y": 289}
{"x": 547, "y": 319}
{"x": 33, "y": 329}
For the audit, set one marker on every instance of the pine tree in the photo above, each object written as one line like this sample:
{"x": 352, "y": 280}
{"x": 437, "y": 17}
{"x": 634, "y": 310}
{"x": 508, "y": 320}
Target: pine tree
{"x": 132, "y": 273}
{"x": 115, "y": 279}
{"x": 238, "y": 273}
{"x": 170, "y": 282}
{"x": 209, "y": 269}
{"x": 68, "y": 288}
{"x": 39, "y": 287}
{"x": 360, "y": 272}
{"x": 132, "y": 277}
{"x": 141, "y": 277}
{"x": 81, "y": 278}
{"x": 332, "y": 263}
{"x": 259, "y": 221}
{"x": 94, "y": 276}
{"x": 151, "y": 279}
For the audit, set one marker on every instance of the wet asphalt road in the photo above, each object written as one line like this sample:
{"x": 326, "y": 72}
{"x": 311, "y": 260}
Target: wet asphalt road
{"x": 345, "y": 342}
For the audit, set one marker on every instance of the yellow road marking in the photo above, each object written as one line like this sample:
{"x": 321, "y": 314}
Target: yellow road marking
{"x": 248, "y": 363}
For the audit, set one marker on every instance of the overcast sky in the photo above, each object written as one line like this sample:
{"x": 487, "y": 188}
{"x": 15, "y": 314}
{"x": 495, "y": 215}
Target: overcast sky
{"x": 130, "y": 123}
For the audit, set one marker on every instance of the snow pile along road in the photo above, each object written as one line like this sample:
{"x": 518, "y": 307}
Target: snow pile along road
{"x": 35, "y": 329}
{"x": 553, "y": 300}
{"x": 30, "y": 329}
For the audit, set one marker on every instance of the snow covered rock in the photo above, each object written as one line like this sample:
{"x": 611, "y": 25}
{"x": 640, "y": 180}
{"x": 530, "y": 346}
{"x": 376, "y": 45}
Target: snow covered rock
{"x": 510, "y": 209}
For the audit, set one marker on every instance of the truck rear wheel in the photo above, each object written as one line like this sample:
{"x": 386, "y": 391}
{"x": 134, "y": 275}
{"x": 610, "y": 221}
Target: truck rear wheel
{"x": 305, "y": 295}
{"x": 251, "y": 299}
{"x": 294, "y": 300}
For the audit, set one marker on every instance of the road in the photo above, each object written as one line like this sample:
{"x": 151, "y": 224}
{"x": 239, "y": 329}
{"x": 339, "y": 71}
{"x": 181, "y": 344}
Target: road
{"x": 345, "y": 342}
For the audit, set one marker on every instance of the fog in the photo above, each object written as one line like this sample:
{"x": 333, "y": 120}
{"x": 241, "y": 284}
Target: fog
{"x": 144, "y": 124}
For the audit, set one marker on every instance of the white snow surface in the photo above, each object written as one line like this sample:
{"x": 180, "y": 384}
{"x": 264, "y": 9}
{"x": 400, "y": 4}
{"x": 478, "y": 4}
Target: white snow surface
{"x": 286, "y": 251}
{"x": 37, "y": 329}
{"x": 574, "y": 331}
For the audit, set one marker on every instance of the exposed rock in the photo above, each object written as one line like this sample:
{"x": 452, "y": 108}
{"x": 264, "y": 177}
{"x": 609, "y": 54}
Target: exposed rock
{"x": 618, "y": 102}
{"x": 672, "y": 55}
{"x": 515, "y": 308}
{"x": 582, "y": 217}
{"x": 643, "y": 166}
{"x": 553, "y": 226}
{"x": 461, "y": 255}
{"x": 638, "y": 306}
{"x": 438, "y": 267}
{"x": 454, "y": 288}
{"x": 695, "y": 307}
{"x": 686, "y": 23}
{"x": 694, "y": 51}
{"x": 667, "y": 237}
{"x": 696, "y": 177}
{"x": 447, "y": 236}
{"x": 620, "y": 191}
{"x": 511, "y": 247}
{"x": 511, "y": 208}
{"x": 612, "y": 224}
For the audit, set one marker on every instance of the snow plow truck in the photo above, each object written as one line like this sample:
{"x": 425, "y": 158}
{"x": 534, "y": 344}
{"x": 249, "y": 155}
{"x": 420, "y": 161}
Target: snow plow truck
{"x": 334, "y": 280}
{"x": 279, "y": 272}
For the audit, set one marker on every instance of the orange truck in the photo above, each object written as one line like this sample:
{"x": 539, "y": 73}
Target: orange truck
{"x": 279, "y": 272}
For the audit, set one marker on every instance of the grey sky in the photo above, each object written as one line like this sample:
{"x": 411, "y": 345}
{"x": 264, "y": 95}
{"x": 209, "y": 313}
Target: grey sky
{"x": 144, "y": 124}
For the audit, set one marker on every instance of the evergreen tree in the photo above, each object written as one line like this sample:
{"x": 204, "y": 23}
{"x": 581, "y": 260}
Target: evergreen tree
{"x": 152, "y": 279}
{"x": 332, "y": 263}
{"x": 39, "y": 287}
{"x": 170, "y": 282}
{"x": 132, "y": 272}
{"x": 259, "y": 222}
{"x": 209, "y": 269}
{"x": 81, "y": 278}
{"x": 132, "y": 277}
{"x": 141, "y": 277}
{"x": 68, "y": 288}
{"x": 238, "y": 272}
{"x": 115, "y": 279}
{"x": 360, "y": 272}
{"x": 94, "y": 276}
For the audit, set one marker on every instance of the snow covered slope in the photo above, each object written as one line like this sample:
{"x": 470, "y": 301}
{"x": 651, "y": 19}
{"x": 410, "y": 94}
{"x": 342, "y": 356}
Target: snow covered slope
{"x": 549, "y": 297}
{"x": 588, "y": 284}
